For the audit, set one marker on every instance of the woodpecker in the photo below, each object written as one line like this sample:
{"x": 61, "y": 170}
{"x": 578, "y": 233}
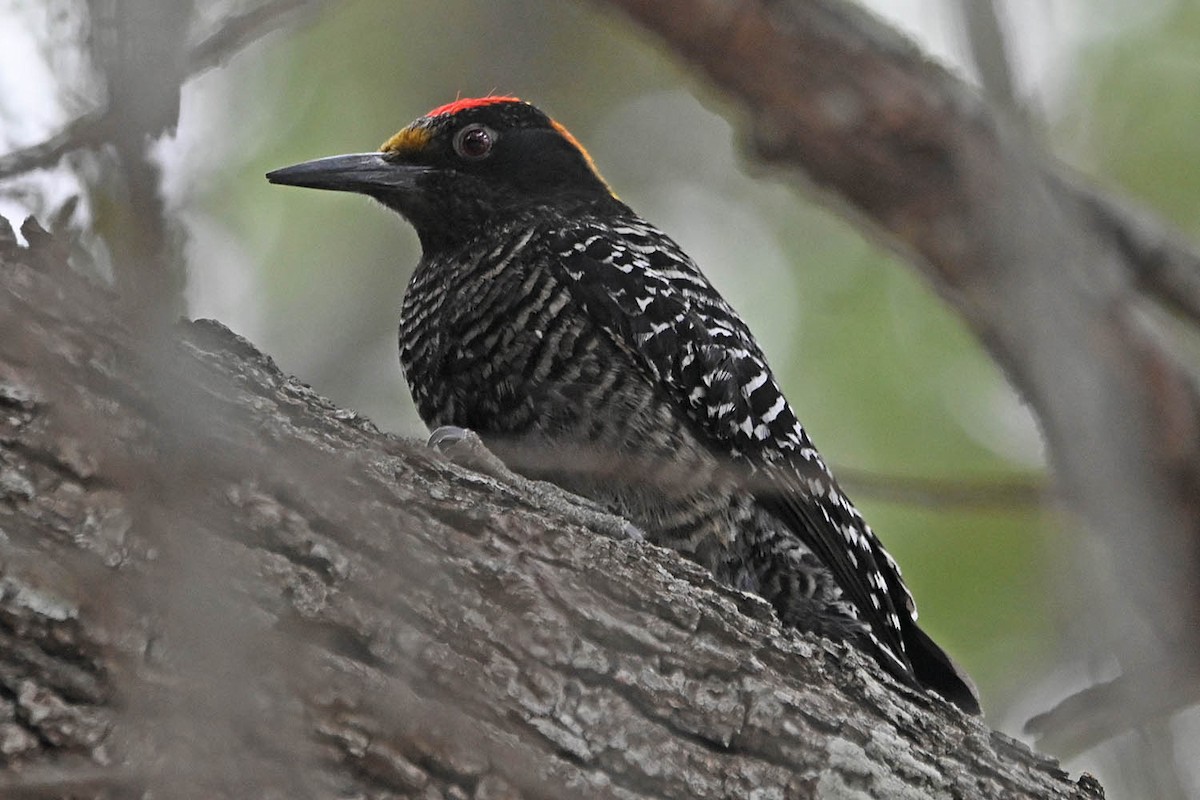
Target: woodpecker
{"x": 585, "y": 347}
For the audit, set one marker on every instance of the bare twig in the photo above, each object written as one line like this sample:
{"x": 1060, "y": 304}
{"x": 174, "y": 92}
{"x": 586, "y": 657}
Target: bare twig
{"x": 241, "y": 30}
{"x": 989, "y": 50}
{"x": 87, "y": 130}
{"x": 94, "y": 128}
{"x": 1104, "y": 710}
{"x": 947, "y": 495}
{"x": 1164, "y": 264}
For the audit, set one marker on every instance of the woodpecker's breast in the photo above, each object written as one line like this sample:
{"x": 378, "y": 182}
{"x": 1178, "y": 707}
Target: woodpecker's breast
{"x": 498, "y": 344}
{"x": 490, "y": 340}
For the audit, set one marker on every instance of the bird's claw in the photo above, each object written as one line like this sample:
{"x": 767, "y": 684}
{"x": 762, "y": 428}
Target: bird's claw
{"x": 446, "y": 437}
{"x": 464, "y": 447}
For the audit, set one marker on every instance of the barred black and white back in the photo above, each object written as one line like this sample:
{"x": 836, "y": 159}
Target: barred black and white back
{"x": 691, "y": 340}
{"x": 585, "y": 347}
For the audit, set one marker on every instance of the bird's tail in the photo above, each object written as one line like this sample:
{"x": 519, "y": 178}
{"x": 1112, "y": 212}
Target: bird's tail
{"x": 934, "y": 670}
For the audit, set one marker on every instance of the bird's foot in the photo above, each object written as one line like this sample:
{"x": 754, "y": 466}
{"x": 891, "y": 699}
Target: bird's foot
{"x": 464, "y": 447}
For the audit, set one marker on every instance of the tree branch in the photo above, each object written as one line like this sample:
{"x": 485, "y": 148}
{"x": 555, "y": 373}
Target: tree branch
{"x": 989, "y": 52}
{"x": 214, "y": 583}
{"x": 957, "y": 495}
{"x": 87, "y": 130}
{"x": 240, "y": 30}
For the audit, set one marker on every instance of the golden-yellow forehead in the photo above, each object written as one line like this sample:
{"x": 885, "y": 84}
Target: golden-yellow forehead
{"x": 409, "y": 141}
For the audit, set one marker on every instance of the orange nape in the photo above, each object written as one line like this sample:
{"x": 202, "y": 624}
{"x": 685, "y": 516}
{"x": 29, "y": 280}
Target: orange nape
{"x": 566, "y": 134}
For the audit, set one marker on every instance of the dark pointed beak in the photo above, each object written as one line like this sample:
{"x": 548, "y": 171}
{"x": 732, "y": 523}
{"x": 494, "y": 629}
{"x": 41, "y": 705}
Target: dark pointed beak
{"x": 367, "y": 173}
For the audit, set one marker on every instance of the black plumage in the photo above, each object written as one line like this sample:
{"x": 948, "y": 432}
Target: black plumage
{"x": 585, "y": 347}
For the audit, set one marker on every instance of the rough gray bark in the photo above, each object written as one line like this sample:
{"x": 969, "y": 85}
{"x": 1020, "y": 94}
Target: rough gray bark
{"x": 214, "y": 583}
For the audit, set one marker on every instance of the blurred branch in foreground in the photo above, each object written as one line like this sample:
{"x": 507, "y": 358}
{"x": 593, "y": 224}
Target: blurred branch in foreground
{"x": 138, "y": 47}
{"x": 947, "y": 495}
{"x": 989, "y": 51}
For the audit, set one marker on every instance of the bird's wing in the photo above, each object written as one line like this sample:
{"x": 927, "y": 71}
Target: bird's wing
{"x": 650, "y": 297}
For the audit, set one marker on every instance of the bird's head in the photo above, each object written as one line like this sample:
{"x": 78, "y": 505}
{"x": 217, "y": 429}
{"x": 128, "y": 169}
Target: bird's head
{"x": 464, "y": 165}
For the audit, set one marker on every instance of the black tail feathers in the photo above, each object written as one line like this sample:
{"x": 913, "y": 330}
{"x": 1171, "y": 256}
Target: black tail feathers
{"x": 934, "y": 670}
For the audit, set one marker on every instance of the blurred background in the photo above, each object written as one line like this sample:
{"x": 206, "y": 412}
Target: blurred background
{"x": 941, "y": 455}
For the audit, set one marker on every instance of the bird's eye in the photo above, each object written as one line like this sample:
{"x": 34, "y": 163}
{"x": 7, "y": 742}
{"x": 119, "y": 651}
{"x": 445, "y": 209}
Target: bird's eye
{"x": 474, "y": 142}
